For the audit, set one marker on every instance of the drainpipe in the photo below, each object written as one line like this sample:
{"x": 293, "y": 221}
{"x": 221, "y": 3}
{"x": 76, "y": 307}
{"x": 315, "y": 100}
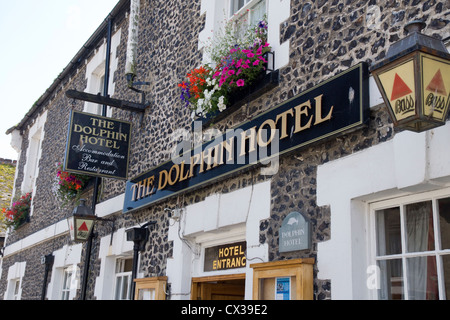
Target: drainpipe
{"x": 48, "y": 261}
{"x": 133, "y": 31}
{"x": 140, "y": 237}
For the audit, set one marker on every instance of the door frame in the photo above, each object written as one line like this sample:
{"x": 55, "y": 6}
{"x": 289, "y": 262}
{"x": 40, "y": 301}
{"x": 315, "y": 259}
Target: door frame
{"x": 200, "y": 292}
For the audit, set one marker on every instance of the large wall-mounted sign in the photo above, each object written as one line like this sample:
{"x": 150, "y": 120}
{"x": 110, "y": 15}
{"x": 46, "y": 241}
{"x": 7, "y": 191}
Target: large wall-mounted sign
{"x": 97, "y": 146}
{"x": 333, "y": 107}
{"x": 229, "y": 256}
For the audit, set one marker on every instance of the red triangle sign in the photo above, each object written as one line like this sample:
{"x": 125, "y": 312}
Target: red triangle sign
{"x": 400, "y": 88}
{"x": 437, "y": 84}
{"x": 83, "y": 227}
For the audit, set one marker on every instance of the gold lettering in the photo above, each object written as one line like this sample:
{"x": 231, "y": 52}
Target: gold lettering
{"x": 77, "y": 128}
{"x": 228, "y": 146}
{"x": 182, "y": 178}
{"x": 205, "y": 156}
{"x": 177, "y": 170}
{"x": 162, "y": 177}
{"x": 133, "y": 188}
{"x": 283, "y": 117}
{"x": 300, "y": 110}
{"x": 252, "y": 140}
{"x": 272, "y": 129}
{"x": 319, "y": 118}
{"x": 195, "y": 159}
{"x": 150, "y": 182}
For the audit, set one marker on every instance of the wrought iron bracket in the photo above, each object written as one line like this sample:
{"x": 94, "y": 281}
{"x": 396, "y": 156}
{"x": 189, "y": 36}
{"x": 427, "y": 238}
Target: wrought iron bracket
{"x": 97, "y": 98}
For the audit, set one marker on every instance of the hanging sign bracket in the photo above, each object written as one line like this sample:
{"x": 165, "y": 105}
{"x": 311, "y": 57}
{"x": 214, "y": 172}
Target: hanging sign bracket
{"x": 97, "y": 98}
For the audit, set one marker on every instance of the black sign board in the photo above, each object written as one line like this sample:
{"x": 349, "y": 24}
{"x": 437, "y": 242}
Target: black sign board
{"x": 97, "y": 146}
{"x": 336, "y": 106}
{"x": 228, "y": 256}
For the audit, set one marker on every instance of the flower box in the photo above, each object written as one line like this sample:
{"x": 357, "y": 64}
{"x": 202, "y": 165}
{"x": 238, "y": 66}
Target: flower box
{"x": 264, "y": 83}
{"x": 238, "y": 73}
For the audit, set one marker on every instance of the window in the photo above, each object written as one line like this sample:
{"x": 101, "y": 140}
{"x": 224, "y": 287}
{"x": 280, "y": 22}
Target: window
{"x": 14, "y": 278}
{"x": 31, "y": 169}
{"x": 123, "y": 279}
{"x": 247, "y": 12}
{"x": 16, "y": 292}
{"x": 413, "y": 247}
{"x": 276, "y": 11}
{"x": 95, "y": 74}
{"x": 251, "y": 11}
{"x": 67, "y": 279}
{"x": 69, "y": 282}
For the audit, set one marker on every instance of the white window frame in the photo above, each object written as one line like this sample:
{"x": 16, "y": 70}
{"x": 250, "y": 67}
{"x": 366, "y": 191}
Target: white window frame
{"x": 277, "y": 11}
{"x": 36, "y": 135}
{"x": 95, "y": 73}
{"x": 66, "y": 258}
{"x": 245, "y": 13}
{"x": 68, "y": 274}
{"x": 17, "y": 291}
{"x": 249, "y": 5}
{"x": 15, "y": 276}
{"x": 120, "y": 277}
{"x": 401, "y": 202}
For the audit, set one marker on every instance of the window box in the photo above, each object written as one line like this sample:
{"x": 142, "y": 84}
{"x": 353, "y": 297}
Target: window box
{"x": 264, "y": 83}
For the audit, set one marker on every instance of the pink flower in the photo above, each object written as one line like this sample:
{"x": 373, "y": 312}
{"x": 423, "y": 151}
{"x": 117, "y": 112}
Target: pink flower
{"x": 246, "y": 51}
{"x": 256, "y": 62}
{"x": 262, "y": 59}
{"x": 240, "y": 83}
{"x": 259, "y": 51}
{"x": 230, "y": 72}
{"x": 250, "y": 55}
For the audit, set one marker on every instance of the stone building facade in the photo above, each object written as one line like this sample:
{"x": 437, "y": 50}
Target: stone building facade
{"x": 313, "y": 42}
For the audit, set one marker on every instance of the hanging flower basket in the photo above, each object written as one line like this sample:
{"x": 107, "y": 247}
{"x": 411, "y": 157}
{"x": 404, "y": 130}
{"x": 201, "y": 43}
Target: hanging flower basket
{"x": 19, "y": 213}
{"x": 70, "y": 185}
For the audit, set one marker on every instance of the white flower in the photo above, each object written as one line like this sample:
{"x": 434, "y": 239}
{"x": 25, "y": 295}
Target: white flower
{"x": 221, "y": 105}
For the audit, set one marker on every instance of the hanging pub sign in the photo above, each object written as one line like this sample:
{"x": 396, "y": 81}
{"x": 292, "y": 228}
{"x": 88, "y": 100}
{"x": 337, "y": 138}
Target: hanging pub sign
{"x": 97, "y": 146}
{"x": 229, "y": 256}
{"x": 336, "y": 106}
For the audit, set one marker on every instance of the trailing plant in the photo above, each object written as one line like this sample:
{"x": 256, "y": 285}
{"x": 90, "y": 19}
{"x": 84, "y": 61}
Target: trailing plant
{"x": 238, "y": 58}
{"x": 70, "y": 185}
{"x": 18, "y": 213}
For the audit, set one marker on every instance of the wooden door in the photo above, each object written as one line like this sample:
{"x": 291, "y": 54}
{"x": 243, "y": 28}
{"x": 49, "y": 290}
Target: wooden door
{"x": 219, "y": 288}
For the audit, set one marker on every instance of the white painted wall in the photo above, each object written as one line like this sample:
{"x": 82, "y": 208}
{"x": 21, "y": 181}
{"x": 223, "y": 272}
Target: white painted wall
{"x": 409, "y": 163}
{"x": 219, "y": 219}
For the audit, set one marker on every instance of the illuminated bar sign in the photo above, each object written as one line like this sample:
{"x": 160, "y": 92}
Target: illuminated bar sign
{"x": 97, "y": 146}
{"x": 229, "y": 256}
{"x": 333, "y": 107}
